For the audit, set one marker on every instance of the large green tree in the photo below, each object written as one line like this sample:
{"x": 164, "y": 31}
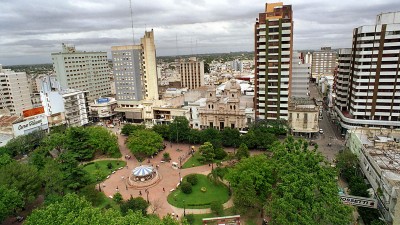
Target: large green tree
{"x": 134, "y": 204}
{"x": 11, "y": 200}
{"x": 104, "y": 141}
{"x": 179, "y": 130}
{"x": 162, "y": 129}
{"x": 213, "y": 136}
{"x": 242, "y": 152}
{"x": 207, "y": 152}
{"x": 128, "y": 128}
{"x": 73, "y": 209}
{"x": 144, "y": 143}
{"x": 77, "y": 142}
{"x": 230, "y": 137}
{"x": 22, "y": 177}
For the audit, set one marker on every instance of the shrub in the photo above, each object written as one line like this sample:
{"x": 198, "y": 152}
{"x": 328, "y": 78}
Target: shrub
{"x": 192, "y": 178}
{"x": 220, "y": 154}
{"x": 203, "y": 189}
{"x": 109, "y": 165}
{"x": 217, "y": 208}
{"x": 190, "y": 218}
{"x": 166, "y": 157}
{"x": 117, "y": 197}
{"x": 186, "y": 187}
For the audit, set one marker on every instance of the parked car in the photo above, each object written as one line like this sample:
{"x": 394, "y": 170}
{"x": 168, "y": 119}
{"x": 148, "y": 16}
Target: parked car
{"x": 321, "y": 131}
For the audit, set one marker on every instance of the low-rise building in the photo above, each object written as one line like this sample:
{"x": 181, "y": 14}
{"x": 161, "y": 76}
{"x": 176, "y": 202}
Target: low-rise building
{"x": 303, "y": 116}
{"x": 103, "y": 109}
{"x": 378, "y": 151}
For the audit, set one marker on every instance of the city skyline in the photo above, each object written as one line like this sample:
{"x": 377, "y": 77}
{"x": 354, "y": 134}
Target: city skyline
{"x": 31, "y": 31}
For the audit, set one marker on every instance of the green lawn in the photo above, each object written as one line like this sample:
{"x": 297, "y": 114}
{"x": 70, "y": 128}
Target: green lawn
{"x": 193, "y": 161}
{"x": 98, "y": 171}
{"x": 198, "y": 199}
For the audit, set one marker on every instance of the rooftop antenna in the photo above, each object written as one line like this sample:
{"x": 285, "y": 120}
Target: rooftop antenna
{"x": 191, "y": 46}
{"x": 176, "y": 40}
{"x": 133, "y": 32}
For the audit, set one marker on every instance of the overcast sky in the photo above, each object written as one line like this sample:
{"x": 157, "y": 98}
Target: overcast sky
{"x": 30, "y": 30}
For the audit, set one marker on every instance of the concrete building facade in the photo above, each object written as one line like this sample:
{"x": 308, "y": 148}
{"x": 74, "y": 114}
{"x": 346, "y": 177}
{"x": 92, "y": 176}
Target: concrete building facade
{"x": 369, "y": 93}
{"x": 323, "y": 62}
{"x": 192, "y": 73}
{"x": 14, "y": 91}
{"x": 300, "y": 76}
{"x": 303, "y": 116}
{"x": 273, "y": 55}
{"x": 85, "y": 71}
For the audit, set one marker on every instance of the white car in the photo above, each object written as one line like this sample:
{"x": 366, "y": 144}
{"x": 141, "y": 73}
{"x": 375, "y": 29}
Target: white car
{"x": 321, "y": 131}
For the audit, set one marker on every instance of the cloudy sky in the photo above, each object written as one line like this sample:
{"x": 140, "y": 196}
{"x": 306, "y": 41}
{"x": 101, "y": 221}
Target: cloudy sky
{"x": 30, "y": 30}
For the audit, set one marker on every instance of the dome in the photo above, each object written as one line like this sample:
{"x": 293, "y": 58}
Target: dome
{"x": 142, "y": 171}
{"x": 232, "y": 84}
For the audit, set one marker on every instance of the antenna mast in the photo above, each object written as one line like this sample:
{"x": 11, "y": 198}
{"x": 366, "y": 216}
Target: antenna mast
{"x": 133, "y": 32}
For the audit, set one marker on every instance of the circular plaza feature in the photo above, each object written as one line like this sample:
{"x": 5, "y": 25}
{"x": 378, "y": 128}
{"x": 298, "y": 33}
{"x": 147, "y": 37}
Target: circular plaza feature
{"x": 143, "y": 176}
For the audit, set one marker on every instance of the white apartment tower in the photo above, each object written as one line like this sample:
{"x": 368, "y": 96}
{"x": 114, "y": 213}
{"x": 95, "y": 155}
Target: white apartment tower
{"x": 300, "y": 76}
{"x": 135, "y": 71}
{"x": 85, "y": 71}
{"x": 368, "y": 84}
{"x": 273, "y": 54}
{"x": 192, "y": 73}
{"x": 14, "y": 91}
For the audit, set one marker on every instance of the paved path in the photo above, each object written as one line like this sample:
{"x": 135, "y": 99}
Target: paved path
{"x": 169, "y": 181}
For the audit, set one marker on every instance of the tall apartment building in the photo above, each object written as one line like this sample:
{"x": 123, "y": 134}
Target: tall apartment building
{"x": 14, "y": 91}
{"x": 369, "y": 93}
{"x": 323, "y": 62}
{"x": 273, "y": 54}
{"x": 192, "y": 73}
{"x": 85, "y": 71}
{"x": 300, "y": 76}
{"x": 135, "y": 71}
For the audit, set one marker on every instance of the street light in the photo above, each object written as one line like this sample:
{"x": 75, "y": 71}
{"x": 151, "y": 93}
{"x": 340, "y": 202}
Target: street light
{"x": 184, "y": 208}
{"x": 180, "y": 179}
{"x": 147, "y": 192}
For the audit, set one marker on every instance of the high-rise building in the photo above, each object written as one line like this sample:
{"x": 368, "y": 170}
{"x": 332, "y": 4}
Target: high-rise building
{"x": 323, "y": 62}
{"x": 273, "y": 54}
{"x": 300, "y": 76}
{"x": 368, "y": 78}
{"x": 135, "y": 71}
{"x": 14, "y": 91}
{"x": 85, "y": 71}
{"x": 192, "y": 73}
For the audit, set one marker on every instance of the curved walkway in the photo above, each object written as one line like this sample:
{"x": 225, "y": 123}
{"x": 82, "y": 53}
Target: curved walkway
{"x": 170, "y": 178}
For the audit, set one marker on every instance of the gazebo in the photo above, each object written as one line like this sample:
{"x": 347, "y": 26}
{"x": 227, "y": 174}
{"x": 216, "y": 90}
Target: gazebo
{"x": 143, "y": 173}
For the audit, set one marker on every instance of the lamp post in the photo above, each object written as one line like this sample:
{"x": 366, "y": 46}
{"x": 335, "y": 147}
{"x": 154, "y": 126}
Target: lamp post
{"x": 180, "y": 179}
{"x": 184, "y": 208}
{"x": 147, "y": 192}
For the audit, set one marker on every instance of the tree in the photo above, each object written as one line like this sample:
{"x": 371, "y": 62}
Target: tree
{"x": 162, "y": 129}
{"x": 74, "y": 177}
{"x": 207, "y": 152}
{"x": 192, "y": 178}
{"x": 73, "y": 209}
{"x": 212, "y": 136}
{"x": 186, "y": 187}
{"x": 179, "y": 129}
{"x": 134, "y": 204}
{"x": 217, "y": 208}
{"x": 117, "y": 197}
{"x": 230, "y": 137}
{"x": 5, "y": 159}
{"x": 206, "y": 67}
{"x": 128, "y": 128}
{"x": 53, "y": 177}
{"x": 242, "y": 152}
{"x": 22, "y": 177}
{"x": 11, "y": 200}
{"x": 77, "y": 142}
{"x": 144, "y": 143}
{"x": 104, "y": 141}
{"x": 25, "y": 143}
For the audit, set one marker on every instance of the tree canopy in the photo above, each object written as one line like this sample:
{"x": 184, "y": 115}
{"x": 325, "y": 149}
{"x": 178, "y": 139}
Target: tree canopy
{"x": 128, "y": 128}
{"x": 144, "y": 143}
{"x": 73, "y": 209}
{"x": 294, "y": 185}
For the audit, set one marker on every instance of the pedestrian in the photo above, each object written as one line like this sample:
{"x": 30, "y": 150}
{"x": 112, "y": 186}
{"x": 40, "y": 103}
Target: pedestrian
{"x": 122, "y": 177}
{"x": 140, "y": 193}
{"x": 163, "y": 189}
{"x": 126, "y": 187}
{"x": 177, "y": 217}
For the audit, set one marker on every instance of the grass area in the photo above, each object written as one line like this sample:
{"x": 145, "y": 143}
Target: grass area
{"x": 198, "y": 199}
{"x": 99, "y": 170}
{"x": 193, "y": 161}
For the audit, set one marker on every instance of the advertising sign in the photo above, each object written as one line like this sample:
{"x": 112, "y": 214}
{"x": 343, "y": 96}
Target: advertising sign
{"x": 30, "y": 125}
{"x": 359, "y": 201}
{"x": 102, "y": 100}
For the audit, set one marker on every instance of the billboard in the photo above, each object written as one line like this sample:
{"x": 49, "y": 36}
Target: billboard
{"x": 38, "y": 122}
{"x": 33, "y": 112}
{"x": 359, "y": 201}
{"x": 102, "y": 100}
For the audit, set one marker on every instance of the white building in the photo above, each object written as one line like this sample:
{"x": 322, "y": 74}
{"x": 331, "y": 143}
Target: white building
{"x": 192, "y": 73}
{"x": 15, "y": 91}
{"x": 369, "y": 89}
{"x": 85, "y": 71}
{"x": 378, "y": 151}
{"x": 300, "y": 76}
{"x": 103, "y": 108}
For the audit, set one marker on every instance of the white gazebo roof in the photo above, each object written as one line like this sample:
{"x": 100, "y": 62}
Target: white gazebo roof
{"x": 142, "y": 171}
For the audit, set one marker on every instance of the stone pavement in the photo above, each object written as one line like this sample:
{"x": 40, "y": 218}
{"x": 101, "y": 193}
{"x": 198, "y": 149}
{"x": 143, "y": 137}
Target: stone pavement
{"x": 169, "y": 181}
